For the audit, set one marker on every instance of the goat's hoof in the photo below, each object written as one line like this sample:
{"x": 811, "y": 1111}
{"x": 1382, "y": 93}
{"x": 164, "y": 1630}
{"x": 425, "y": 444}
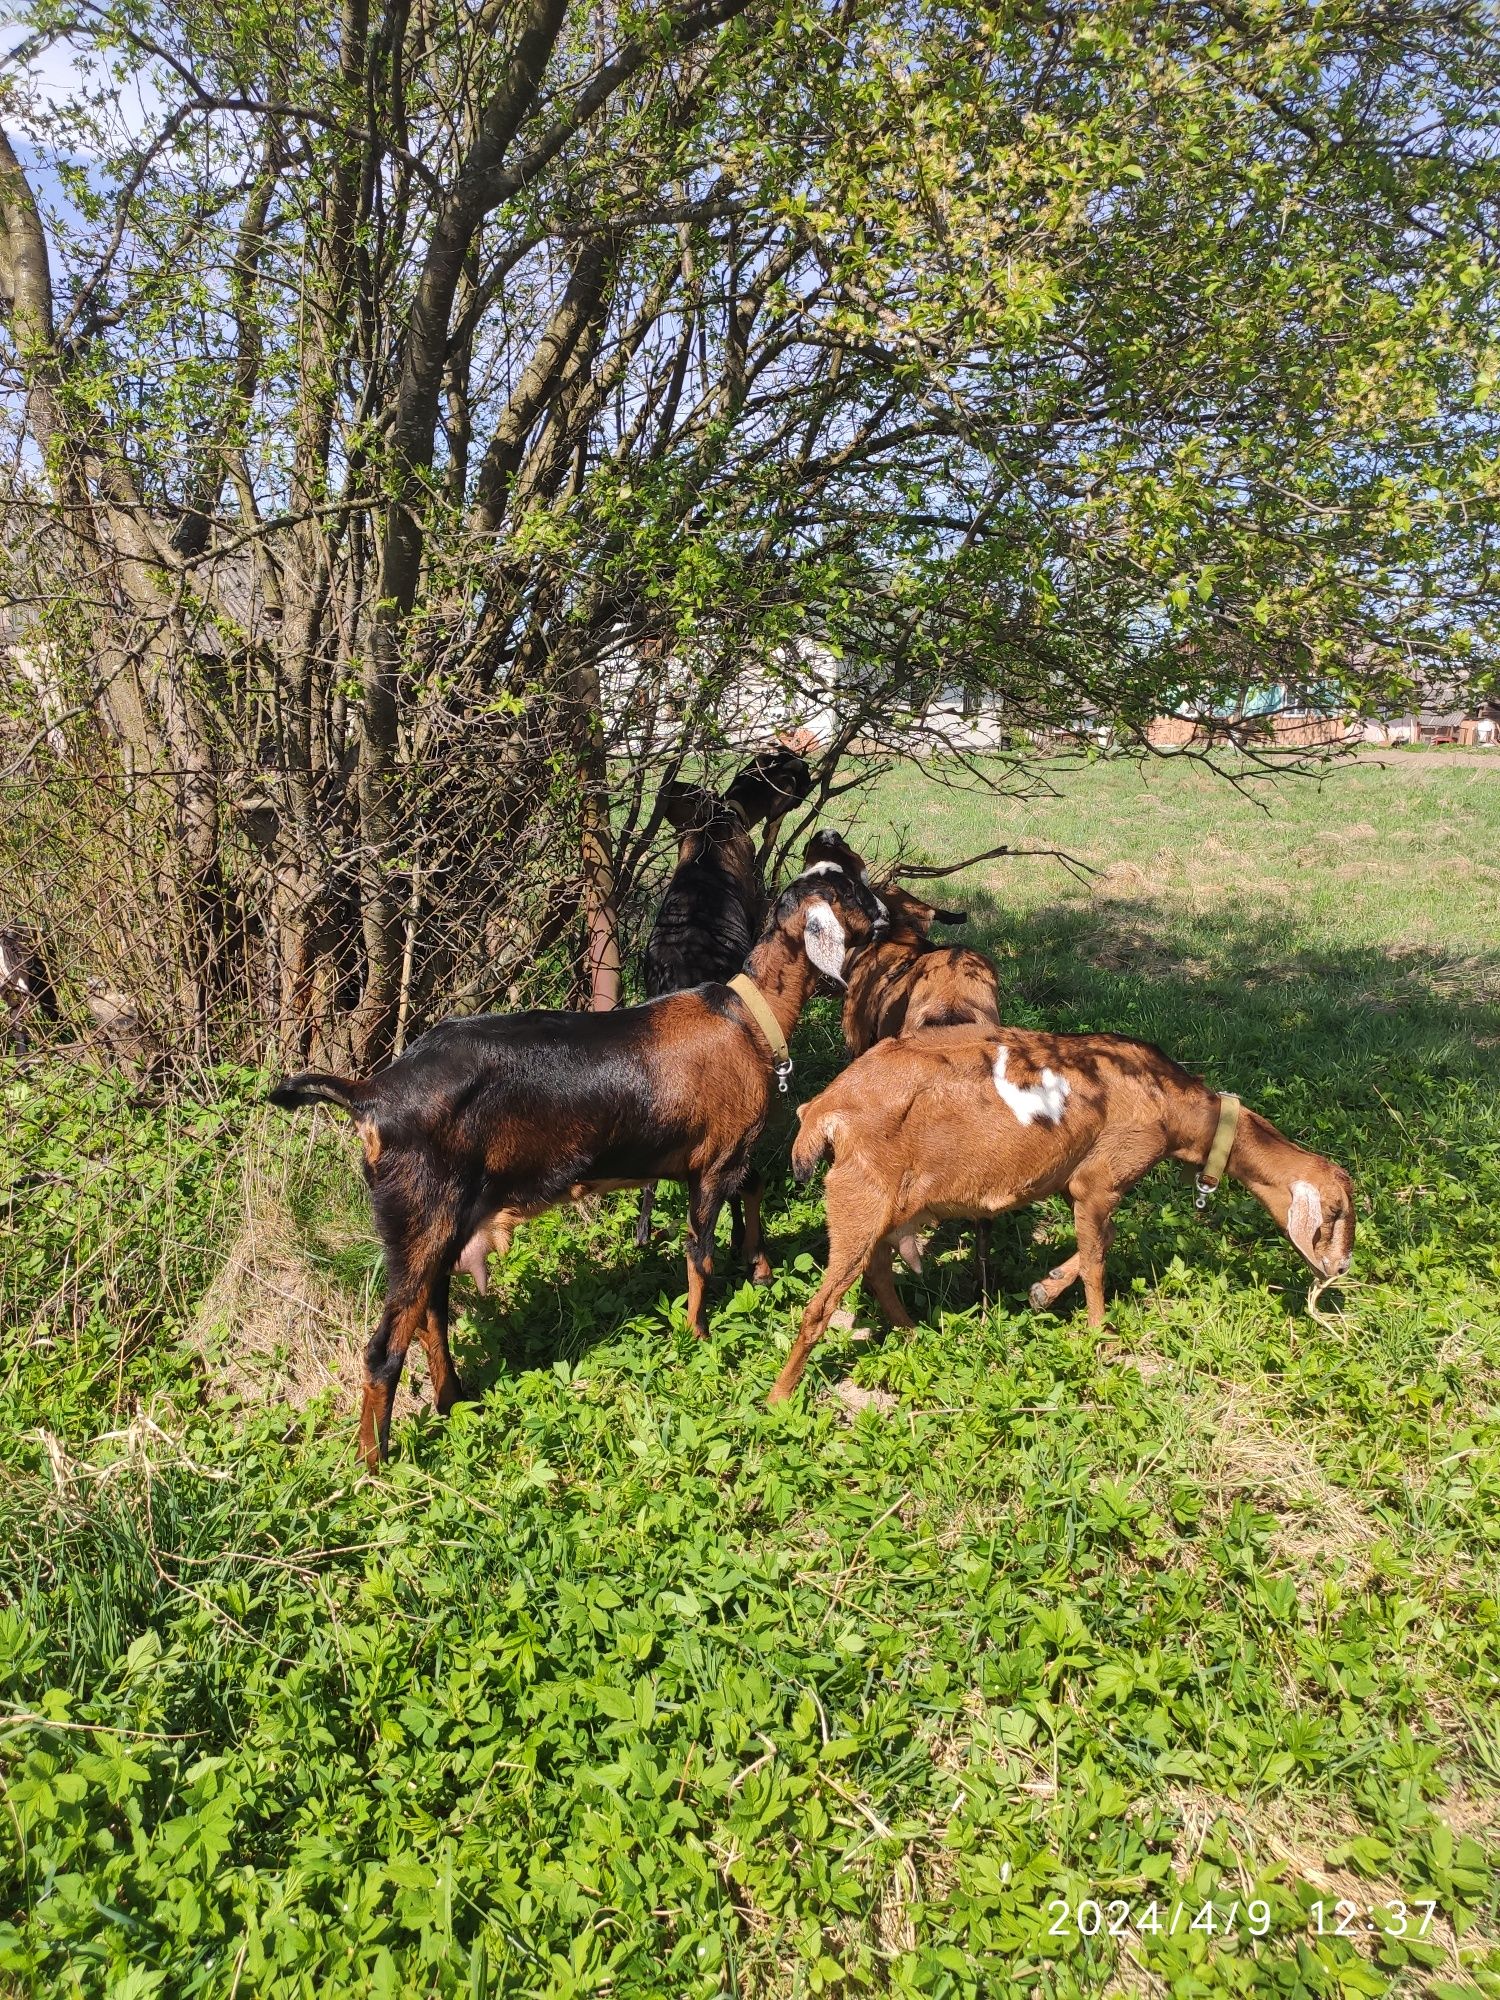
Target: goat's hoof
{"x": 1039, "y": 1297}
{"x": 760, "y": 1272}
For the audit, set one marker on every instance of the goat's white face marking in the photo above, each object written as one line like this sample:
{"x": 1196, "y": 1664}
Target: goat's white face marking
{"x": 1304, "y": 1218}
{"x": 823, "y": 937}
{"x": 1046, "y": 1099}
{"x": 821, "y": 868}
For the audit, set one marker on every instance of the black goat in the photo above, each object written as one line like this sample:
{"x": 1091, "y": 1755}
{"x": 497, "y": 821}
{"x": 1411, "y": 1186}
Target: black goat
{"x": 25, "y": 988}
{"x": 715, "y": 903}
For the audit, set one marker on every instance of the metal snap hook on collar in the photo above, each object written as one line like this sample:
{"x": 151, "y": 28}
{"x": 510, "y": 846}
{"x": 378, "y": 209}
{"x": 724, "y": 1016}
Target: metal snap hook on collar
{"x": 783, "y": 1075}
{"x": 1205, "y": 1189}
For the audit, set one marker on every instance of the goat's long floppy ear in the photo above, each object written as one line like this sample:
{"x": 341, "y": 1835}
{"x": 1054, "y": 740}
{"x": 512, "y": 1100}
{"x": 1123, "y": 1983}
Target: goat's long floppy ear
{"x": 823, "y": 939}
{"x": 1304, "y": 1218}
{"x": 950, "y": 916}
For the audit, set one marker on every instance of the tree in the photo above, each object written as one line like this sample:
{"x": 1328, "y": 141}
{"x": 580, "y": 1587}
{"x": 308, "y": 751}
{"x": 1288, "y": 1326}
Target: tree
{"x": 429, "y": 449}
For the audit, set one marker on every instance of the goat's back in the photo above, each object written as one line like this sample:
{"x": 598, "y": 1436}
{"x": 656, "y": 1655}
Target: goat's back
{"x": 903, "y": 987}
{"x": 958, "y": 1116}
{"x": 538, "y": 1101}
{"x": 710, "y": 917}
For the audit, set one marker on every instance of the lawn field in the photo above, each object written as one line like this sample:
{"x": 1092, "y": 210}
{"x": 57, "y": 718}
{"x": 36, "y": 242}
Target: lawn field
{"x": 1162, "y": 1660}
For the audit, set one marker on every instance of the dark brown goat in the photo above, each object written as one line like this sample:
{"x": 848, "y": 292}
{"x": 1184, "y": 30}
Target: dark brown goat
{"x": 25, "y": 988}
{"x": 959, "y": 1122}
{"x": 714, "y": 907}
{"x": 907, "y": 981}
{"x": 904, "y": 981}
{"x": 493, "y": 1118}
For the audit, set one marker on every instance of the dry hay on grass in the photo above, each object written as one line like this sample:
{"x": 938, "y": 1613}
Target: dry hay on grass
{"x": 1323, "y": 1532}
{"x": 1295, "y": 1837}
{"x": 275, "y": 1326}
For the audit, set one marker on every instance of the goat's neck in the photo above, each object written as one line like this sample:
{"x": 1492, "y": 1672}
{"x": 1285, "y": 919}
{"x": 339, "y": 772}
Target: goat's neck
{"x": 1194, "y": 1121}
{"x": 1261, "y": 1158}
{"x": 786, "y": 977}
{"x": 893, "y": 951}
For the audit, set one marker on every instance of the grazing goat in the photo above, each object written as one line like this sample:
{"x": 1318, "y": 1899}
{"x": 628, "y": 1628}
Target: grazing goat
{"x": 959, "y": 1122}
{"x": 905, "y": 981}
{"x": 493, "y": 1118}
{"x": 25, "y": 989}
{"x": 715, "y": 904}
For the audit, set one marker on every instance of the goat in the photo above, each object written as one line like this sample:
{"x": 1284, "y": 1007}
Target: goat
{"x": 25, "y": 987}
{"x": 489, "y": 1119}
{"x": 966, "y": 1122}
{"x": 715, "y": 903}
{"x": 904, "y": 981}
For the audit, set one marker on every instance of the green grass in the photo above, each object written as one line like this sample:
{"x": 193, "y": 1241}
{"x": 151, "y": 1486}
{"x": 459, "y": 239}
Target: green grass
{"x": 619, "y": 1683}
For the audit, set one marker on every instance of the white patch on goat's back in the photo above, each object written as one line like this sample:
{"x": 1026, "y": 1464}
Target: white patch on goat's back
{"x": 1304, "y": 1217}
{"x": 821, "y": 868}
{"x": 1031, "y": 1101}
{"x": 823, "y": 937}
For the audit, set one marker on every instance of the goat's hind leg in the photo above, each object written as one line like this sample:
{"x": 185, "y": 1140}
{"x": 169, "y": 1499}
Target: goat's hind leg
{"x": 419, "y": 1253}
{"x": 705, "y": 1199}
{"x": 404, "y": 1318}
{"x": 1046, "y": 1291}
{"x": 447, "y": 1388}
{"x": 746, "y": 1237}
{"x": 856, "y": 1224}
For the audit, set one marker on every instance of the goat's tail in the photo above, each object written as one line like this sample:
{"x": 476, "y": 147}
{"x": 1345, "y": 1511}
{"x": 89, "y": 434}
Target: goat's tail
{"x": 814, "y": 1141}
{"x": 317, "y": 1086}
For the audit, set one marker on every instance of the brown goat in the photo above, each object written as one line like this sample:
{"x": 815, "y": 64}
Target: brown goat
{"x": 496, "y": 1117}
{"x": 902, "y": 981}
{"x": 964, "y": 1123}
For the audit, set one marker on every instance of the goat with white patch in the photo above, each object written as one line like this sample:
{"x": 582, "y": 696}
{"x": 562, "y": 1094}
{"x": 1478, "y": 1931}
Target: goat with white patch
{"x": 966, "y": 1123}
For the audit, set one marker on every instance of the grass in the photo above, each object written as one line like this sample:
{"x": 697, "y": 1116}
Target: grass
{"x": 618, "y": 1683}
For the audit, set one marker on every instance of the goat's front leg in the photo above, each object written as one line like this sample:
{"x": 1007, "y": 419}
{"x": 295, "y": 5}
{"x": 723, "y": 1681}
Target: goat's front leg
{"x": 880, "y": 1282}
{"x": 705, "y": 1199}
{"x": 1094, "y": 1220}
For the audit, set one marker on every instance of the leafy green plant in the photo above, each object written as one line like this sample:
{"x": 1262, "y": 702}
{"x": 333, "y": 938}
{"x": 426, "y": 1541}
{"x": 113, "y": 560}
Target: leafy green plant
{"x": 619, "y": 1683}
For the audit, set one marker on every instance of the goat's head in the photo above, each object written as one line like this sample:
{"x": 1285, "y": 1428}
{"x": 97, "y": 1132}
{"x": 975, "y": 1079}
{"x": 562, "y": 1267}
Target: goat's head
{"x": 829, "y": 850}
{"x": 769, "y": 786}
{"x": 909, "y": 915}
{"x": 693, "y": 809}
{"x": 1312, "y": 1197}
{"x": 830, "y": 913}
